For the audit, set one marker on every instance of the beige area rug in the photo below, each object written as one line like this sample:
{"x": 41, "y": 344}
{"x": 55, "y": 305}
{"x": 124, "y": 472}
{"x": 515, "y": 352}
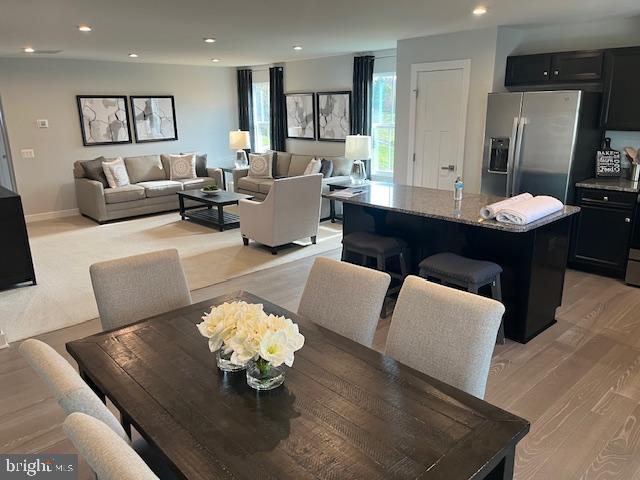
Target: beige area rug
{"x": 64, "y": 249}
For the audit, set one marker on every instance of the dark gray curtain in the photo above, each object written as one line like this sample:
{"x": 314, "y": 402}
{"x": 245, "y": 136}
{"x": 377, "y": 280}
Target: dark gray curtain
{"x": 362, "y": 94}
{"x": 277, "y": 113}
{"x": 245, "y": 101}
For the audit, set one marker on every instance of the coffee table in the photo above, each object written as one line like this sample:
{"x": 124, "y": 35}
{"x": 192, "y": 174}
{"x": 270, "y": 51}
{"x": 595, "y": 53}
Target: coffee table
{"x": 217, "y": 218}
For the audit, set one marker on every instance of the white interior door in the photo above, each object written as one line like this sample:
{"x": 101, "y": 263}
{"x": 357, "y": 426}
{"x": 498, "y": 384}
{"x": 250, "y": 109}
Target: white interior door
{"x": 439, "y": 101}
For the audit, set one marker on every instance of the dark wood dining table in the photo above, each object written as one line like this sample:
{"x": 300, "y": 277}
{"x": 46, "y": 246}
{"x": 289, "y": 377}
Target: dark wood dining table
{"x": 345, "y": 411}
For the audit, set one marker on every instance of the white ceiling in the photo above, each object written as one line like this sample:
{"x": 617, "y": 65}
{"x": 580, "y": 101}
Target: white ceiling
{"x": 251, "y": 32}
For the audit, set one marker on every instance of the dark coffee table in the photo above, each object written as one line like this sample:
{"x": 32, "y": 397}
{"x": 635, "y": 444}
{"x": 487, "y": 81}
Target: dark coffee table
{"x": 208, "y": 216}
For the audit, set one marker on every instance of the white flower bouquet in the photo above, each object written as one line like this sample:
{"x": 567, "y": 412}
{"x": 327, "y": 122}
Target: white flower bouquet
{"x": 247, "y": 336}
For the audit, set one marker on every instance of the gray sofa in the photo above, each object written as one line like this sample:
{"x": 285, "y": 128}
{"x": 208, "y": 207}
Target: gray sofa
{"x": 150, "y": 190}
{"x": 292, "y": 165}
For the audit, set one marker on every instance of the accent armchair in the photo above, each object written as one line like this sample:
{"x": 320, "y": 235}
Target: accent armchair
{"x": 290, "y": 211}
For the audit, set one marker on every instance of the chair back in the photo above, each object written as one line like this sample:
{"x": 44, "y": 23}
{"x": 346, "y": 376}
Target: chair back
{"x": 296, "y": 203}
{"x": 69, "y": 390}
{"x": 133, "y": 288}
{"x": 110, "y": 457}
{"x": 345, "y": 298}
{"x": 445, "y": 333}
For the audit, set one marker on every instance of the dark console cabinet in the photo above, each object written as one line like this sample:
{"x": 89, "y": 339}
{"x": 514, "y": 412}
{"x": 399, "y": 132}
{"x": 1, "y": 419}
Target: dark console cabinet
{"x": 15, "y": 254}
{"x": 549, "y": 68}
{"x": 602, "y": 231}
{"x": 621, "y": 108}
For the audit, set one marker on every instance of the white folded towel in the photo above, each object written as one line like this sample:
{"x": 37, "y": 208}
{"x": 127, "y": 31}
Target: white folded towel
{"x": 490, "y": 211}
{"x": 527, "y": 211}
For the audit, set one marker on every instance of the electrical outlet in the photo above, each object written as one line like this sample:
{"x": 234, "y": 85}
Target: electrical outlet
{"x": 42, "y": 123}
{"x": 27, "y": 153}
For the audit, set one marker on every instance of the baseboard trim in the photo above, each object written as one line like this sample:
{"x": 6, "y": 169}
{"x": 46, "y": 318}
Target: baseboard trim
{"x": 38, "y": 217}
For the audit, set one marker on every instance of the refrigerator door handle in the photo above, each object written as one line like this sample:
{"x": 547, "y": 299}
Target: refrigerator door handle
{"x": 516, "y": 156}
{"x": 510, "y": 153}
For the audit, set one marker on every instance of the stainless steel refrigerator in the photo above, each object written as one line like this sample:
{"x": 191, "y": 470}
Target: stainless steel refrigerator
{"x": 540, "y": 142}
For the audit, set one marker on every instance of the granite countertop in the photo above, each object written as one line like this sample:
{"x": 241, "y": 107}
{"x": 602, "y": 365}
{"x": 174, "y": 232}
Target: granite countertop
{"x": 439, "y": 204}
{"x": 616, "y": 184}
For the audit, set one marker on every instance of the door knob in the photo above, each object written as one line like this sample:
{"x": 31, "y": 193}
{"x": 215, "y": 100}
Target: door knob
{"x": 448, "y": 167}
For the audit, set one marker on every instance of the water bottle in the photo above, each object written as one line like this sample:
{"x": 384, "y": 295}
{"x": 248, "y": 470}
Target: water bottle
{"x": 458, "y": 187}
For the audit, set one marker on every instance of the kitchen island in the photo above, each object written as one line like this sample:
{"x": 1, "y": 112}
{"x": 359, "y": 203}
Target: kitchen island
{"x": 533, "y": 256}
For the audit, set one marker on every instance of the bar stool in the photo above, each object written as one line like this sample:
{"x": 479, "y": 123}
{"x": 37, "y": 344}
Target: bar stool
{"x": 453, "y": 269}
{"x": 381, "y": 248}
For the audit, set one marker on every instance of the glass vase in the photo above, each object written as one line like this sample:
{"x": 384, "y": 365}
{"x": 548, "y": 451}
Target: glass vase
{"x": 223, "y": 360}
{"x": 261, "y": 375}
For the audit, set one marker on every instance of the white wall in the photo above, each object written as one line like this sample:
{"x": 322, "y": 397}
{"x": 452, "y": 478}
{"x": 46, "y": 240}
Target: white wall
{"x": 206, "y": 109}
{"x": 477, "y": 45}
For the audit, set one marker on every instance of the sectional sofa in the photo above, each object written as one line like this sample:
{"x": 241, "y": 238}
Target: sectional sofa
{"x": 150, "y": 191}
{"x": 292, "y": 165}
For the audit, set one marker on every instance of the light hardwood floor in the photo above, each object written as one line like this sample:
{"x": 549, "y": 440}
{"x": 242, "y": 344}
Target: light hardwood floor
{"x": 578, "y": 382}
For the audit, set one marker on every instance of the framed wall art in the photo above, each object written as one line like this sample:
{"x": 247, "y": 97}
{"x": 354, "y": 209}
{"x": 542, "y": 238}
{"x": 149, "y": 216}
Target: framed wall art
{"x": 334, "y": 115}
{"x": 104, "y": 119}
{"x": 154, "y": 118}
{"x": 300, "y": 116}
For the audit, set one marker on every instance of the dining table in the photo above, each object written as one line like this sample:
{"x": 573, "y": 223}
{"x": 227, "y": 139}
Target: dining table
{"x": 345, "y": 411}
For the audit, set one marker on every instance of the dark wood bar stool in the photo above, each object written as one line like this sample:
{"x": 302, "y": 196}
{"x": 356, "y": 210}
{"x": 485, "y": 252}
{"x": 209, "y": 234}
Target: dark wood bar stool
{"x": 380, "y": 248}
{"x": 453, "y": 269}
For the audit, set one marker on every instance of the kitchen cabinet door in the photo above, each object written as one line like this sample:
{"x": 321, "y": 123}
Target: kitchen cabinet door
{"x": 621, "y": 108}
{"x": 527, "y": 69}
{"x": 584, "y": 66}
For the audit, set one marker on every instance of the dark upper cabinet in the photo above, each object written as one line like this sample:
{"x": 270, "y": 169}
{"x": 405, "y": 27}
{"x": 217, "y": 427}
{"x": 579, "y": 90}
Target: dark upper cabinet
{"x": 527, "y": 69}
{"x": 548, "y": 68}
{"x": 621, "y": 106}
{"x": 576, "y": 66}
{"x": 602, "y": 232}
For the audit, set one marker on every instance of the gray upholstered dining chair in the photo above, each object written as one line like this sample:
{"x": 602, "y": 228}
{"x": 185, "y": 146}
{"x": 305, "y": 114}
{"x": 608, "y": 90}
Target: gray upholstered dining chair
{"x": 110, "y": 457}
{"x": 69, "y": 390}
{"x": 445, "y": 333}
{"x": 133, "y": 288}
{"x": 345, "y": 298}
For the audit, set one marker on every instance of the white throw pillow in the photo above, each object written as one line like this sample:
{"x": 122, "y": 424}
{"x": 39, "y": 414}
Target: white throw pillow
{"x": 116, "y": 173}
{"x": 314, "y": 166}
{"x": 260, "y": 165}
{"x": 182, "y": 167}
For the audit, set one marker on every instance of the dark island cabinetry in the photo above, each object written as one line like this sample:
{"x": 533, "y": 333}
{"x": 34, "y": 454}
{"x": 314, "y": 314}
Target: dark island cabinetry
{"x": 15, "y": 253}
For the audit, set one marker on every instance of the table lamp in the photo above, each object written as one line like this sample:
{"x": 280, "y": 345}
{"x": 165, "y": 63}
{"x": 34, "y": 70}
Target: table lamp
{"x": 358, "y": 149}
{"x": 239, "y": 141}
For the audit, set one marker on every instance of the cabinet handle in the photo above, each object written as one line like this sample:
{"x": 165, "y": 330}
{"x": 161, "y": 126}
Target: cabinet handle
{"x": 627, "y": 220}
{"x": 556, "y": 72}
{"x": 545, "y": 73}
{"x": 606, "y": 199}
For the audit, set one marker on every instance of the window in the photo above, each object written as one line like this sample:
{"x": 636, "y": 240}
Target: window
{"x": 383, "y": 127}
{"x": 261, "y": 126}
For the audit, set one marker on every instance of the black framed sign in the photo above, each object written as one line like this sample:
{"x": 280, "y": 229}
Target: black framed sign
{"x": 334, "y": 115}
{"x": 300, "y": 116}
{"x": 154, "y": 118}
{"x": 104, "y": 119}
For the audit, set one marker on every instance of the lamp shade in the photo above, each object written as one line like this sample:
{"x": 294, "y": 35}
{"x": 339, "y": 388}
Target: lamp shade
{"x": 357, "y": 147}
{"x": 239, "y": 140}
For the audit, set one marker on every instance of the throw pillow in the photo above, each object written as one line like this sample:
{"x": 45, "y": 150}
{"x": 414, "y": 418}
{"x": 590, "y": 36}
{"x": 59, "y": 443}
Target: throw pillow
{"x": 93, "y": 170}
{"x": 116, "y": 173}
{"x": 201, "y": 163}
{"x": 261, "y": 165}
{"x": 182, "y": 167}
{"x": 326, "y": 169}
{"x": 313, "y": 167}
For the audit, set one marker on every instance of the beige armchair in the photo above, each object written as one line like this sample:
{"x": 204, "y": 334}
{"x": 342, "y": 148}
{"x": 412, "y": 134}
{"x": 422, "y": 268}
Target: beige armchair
{"x": 290, "y": 211}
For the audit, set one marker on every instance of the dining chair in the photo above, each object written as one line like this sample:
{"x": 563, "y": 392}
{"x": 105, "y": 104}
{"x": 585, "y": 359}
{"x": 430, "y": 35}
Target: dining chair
{"x": 110, "y": 457}
{"x": 445, "y": 333}
{"x": 133, "y": 288}
{"x": 68, "y": 388}
{"x": 345, "y": 298}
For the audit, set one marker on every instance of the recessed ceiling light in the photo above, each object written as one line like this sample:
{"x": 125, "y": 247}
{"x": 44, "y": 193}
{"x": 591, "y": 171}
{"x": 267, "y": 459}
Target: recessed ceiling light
{"x": 28, "y": 50}
{"x": 209, "y": 40}
{"x": 297, "y": 47}
{"x": 133, "y": 55}
{"x": 480, "y": 10}
{"x": 215, "y": 60}
{"x": 84, "y": 28}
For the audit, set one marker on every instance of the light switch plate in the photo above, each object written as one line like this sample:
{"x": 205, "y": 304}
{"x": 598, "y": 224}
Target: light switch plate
{"x": 43, "y": 123}
{"x": 28, "y": 153}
